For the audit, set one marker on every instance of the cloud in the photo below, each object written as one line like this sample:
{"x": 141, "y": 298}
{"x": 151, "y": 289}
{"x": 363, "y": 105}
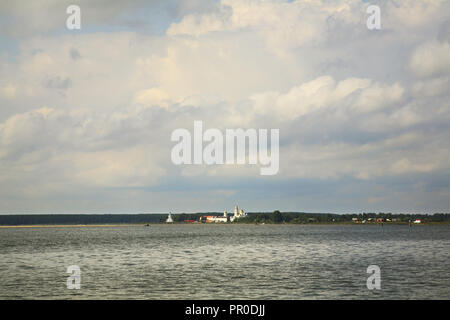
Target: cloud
{"x": 57, "y": 83}
{"x": 431, "y": 59}
{"x": 75, "y": 54}
{"x": 431, "y": 88}
{"x": 414, "y": 14}
{"x": 23, "y": 19}
{"x": 8, "y": 91}
{"x": 362, "y": 115}
{"x": 325, "y": 92}
{"x": 153, "y": 97}
{"x": 281, "y": 24}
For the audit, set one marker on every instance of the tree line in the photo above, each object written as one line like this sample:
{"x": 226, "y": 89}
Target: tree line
{"x": 304, "y": 217}
{"x": 252, "y": 217}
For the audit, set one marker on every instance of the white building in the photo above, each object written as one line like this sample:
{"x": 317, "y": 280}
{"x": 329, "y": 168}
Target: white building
{"x": 223, "y": 218}
{"x": 237, "y": 214}
{"x": 215, "y": 219}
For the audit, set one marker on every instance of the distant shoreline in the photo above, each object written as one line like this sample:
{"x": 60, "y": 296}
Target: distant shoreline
{"x": 276, "y": 217}
{"x": 71, "y": 226}
{"x": 214, "y": 224}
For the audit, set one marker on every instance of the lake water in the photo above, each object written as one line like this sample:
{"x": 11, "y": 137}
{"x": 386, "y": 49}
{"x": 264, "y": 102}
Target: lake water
{"x": 226, "y": 262}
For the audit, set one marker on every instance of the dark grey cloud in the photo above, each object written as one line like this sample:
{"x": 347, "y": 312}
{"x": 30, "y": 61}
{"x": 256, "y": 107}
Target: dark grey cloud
{"x": 57, "y": 83}
{"x": 74, "y": 54}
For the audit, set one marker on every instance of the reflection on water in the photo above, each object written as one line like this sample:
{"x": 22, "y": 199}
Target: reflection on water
{"x": 226, "y": 262}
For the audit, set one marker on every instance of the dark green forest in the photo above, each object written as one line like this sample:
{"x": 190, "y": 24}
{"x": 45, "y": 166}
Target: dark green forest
{"x": 304, "y": 217}
{"x": 252, "y": 217}
{"x": 49, "y": 219}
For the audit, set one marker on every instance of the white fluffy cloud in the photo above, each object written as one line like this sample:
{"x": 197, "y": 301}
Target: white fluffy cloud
{"x": 325, "y": 92}
{"x": 279, "y": 24}
{"x": 431, "y": 59}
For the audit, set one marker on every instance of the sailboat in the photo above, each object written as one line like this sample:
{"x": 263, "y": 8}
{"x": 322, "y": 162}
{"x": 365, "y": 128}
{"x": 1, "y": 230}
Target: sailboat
{"x": 169, "y": 218}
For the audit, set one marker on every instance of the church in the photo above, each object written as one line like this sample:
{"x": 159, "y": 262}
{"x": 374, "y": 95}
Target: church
{"x": 214, "y": 219}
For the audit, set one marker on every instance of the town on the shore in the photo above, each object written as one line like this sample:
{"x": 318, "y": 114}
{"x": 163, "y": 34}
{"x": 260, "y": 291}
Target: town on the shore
{"x": 237, "y": 216}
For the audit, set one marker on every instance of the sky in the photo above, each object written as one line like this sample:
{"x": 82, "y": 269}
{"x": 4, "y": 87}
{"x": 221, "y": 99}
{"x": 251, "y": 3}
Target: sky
{"x": 86, "y": 115}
